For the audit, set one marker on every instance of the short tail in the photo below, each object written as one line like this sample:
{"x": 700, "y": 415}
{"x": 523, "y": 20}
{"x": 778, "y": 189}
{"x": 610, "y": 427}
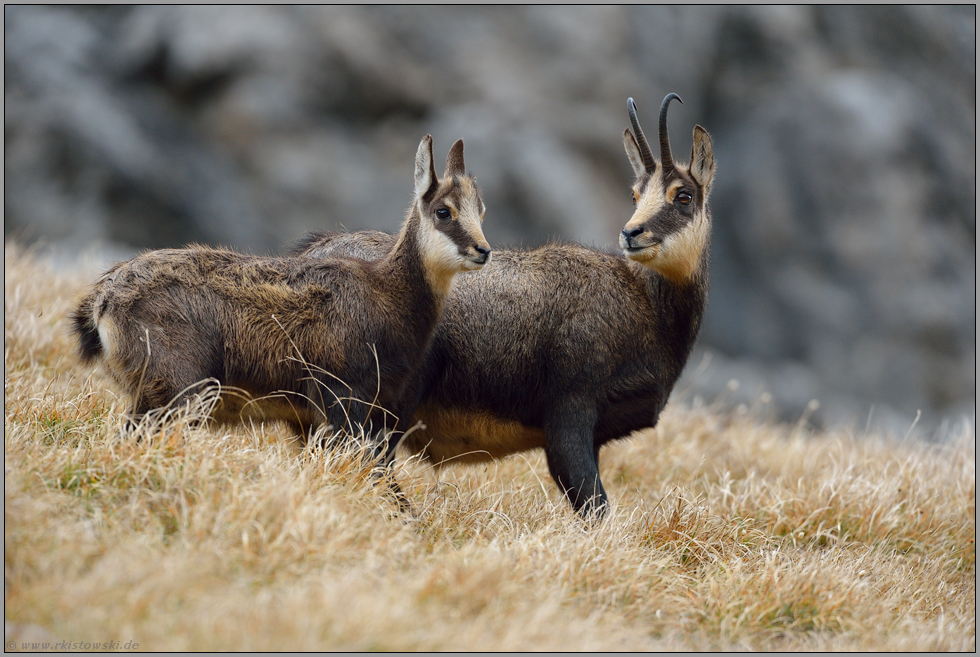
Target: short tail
{"x": 84, "y": 327}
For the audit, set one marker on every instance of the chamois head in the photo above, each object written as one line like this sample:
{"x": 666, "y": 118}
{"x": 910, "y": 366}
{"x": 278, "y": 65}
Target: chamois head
{"x": 668, "y": 231}
{"x": 451, "y": 213}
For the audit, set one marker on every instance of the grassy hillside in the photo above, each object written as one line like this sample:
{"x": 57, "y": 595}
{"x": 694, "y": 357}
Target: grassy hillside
{"x": 727, "y": 532}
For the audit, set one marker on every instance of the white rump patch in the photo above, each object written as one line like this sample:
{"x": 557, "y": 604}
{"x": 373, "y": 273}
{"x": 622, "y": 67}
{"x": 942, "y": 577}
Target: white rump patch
{"x": 107, "y": 335}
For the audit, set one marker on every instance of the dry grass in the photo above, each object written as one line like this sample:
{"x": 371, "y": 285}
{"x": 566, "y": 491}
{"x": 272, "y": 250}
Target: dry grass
{"x": 727, "y": 532}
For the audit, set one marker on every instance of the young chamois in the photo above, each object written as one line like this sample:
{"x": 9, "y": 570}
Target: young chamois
{"x": 307, "y": 340}
{"x": 564, "y": 347}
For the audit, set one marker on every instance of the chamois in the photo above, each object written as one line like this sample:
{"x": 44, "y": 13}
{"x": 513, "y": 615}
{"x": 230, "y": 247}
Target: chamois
{"x": 308, "y": 340}
{"x": 564, "y": 347}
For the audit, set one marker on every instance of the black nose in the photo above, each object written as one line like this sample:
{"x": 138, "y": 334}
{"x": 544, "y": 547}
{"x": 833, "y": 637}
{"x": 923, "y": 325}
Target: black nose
{"x": 628, "y": 234}
{"x": 483, "y": 252}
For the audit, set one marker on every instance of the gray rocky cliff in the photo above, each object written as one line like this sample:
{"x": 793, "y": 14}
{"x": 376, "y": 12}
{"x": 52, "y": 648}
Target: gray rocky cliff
{"x": 844, "y": 243}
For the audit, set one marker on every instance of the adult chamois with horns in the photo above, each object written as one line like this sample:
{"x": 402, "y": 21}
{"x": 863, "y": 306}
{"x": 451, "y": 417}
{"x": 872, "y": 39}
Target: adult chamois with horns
{"x": 564, "y": 347}
{"x": 308, "y": 340}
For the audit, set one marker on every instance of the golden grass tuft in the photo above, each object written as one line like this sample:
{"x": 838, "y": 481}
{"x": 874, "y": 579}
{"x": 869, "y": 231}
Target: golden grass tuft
{"x": 726, "y": 533}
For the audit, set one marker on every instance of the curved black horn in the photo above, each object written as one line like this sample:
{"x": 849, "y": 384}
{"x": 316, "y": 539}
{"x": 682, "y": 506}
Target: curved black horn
{"x": 641, "y": 139}
{"x": 665, "y": 158}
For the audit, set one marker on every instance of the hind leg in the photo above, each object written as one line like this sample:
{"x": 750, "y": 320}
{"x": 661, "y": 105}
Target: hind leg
{"x": 159, "y": 396}
{"x": 134, "y": 417}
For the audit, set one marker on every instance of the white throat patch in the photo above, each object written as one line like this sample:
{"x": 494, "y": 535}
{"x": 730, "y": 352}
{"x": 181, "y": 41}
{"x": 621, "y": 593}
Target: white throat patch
{"x": 680, "y": 253}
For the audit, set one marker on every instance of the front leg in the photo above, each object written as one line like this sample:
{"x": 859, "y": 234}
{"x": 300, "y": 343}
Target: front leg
{"x": 573, "y": 458}
{"x": 375, "y": 424}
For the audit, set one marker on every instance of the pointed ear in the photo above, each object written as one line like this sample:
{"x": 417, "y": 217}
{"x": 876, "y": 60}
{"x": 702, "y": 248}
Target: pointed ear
{"x": 633, "y": 153}
{"x": 702, "y": 158}
{"x": 425, "y": 172}
{"x": 454, "y": 161}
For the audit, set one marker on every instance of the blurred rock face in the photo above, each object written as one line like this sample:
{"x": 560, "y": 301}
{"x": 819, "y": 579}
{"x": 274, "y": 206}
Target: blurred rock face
{"x": 843, "y": 253}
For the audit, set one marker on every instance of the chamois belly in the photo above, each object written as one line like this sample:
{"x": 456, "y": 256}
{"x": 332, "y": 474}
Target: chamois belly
{"x": 238, "y": 405}
{"x": 463, "y": 436}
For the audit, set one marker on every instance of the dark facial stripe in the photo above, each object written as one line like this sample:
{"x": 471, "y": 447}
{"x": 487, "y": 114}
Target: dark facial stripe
{"x": 455, "y": 192}
{"x": 455, "y": 231}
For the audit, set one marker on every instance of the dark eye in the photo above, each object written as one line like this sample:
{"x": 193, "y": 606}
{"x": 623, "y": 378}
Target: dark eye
{"x": 684, "y": 198}
{"x": 444, "y": 214}
{"x": 633, "y": 196}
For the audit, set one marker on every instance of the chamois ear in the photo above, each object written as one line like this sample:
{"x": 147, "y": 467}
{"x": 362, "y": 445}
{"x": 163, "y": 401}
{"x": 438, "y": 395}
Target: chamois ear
{"x": 425, "y": 171}
{"x": 454, "y": 161}
{"x": 702, "y": 158}
{"x": 633, "y": 153}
